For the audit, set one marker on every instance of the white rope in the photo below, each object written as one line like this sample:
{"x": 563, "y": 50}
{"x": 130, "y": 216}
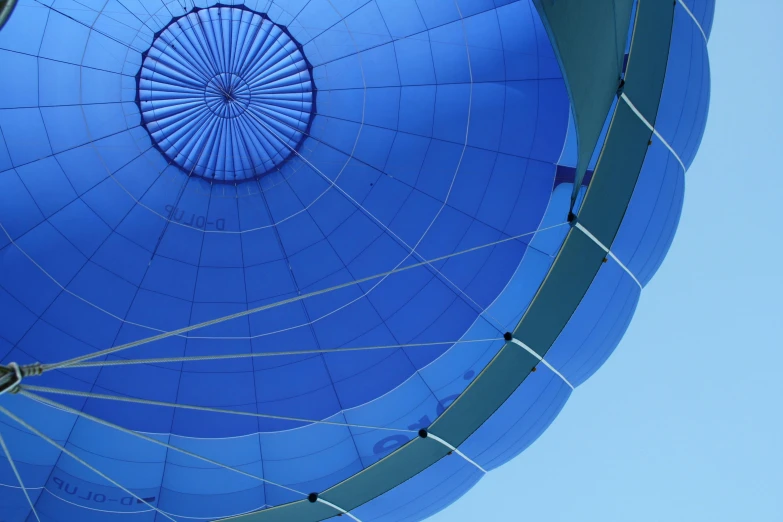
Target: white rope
{"x": 650, "y": 126}
{"x": 91, "y": 395}
{"x": 17, "y": 487}
{"x": 293, "y": 299}
{"x": 80, "y": 461}
{"x": 455, "y": 450}
{"x": 608, "y": 252}
{"x": 541, "y": 359}
{"x": 108, "y": 424}
{"x": 337, "y": 508}
{"x": 18, "y": 477}
{"x": 644, "y": 120}
{"x": 192, "y": 358}
{"x": 695, "y": 20}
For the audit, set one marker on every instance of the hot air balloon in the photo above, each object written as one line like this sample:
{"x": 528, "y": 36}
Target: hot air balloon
{"x": 294, "y": 260}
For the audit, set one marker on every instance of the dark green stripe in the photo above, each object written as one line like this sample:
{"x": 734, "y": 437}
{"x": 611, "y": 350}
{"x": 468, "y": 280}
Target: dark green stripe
{"x": 589, "y": 40}
{"x": 6, "y": 7}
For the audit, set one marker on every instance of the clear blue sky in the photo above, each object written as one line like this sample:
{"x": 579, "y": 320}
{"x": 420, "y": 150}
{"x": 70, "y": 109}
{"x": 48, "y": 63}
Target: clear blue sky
{"x": 685, "y": 420}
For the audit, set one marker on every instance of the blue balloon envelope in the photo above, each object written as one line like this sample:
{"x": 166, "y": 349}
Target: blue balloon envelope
{"x": 252, "y": 254}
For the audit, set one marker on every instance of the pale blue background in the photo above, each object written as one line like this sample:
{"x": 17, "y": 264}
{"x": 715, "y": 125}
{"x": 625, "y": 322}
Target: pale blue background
{"x": 685, "y": 420}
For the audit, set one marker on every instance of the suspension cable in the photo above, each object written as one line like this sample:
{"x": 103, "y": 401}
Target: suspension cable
{"x": 541, "y": 359}
{"x": 652, "y": 128}
{"x": 695, "y": 20}
{"x": 133, "y": 400}
{"x": 608, "y": 252}
{"x": 195, "y": 358}
{"x": 251, "y": 311}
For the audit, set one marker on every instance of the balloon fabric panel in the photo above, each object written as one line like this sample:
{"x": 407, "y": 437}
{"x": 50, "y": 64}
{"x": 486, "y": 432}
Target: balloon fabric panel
{"x": 166, "y": 164}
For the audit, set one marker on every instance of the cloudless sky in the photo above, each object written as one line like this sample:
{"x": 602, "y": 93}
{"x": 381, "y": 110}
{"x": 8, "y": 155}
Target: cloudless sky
{"x": 685, "y": 420}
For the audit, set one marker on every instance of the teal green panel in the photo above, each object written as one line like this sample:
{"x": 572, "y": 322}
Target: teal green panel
{"x": 408, "y": 461}
{"x": 623, "y": 155}
{"x": 491, "y": 388}
{"x": 626, "y": 145}
{"x": 647, "y": 64}
{"x": 592, "y": 72}
{"x": 560, "y": 293}
{"x": 414, "y": 457}
{"x": 6, "y": 6}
